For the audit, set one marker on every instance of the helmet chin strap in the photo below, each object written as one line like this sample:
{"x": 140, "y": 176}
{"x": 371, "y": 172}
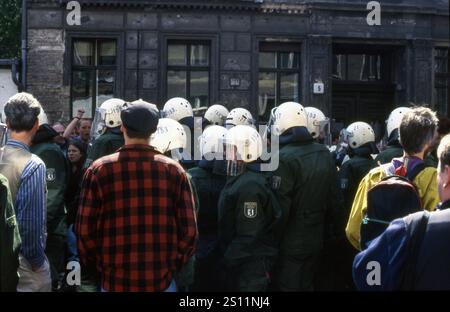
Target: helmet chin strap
{"x": 167, "y": 148}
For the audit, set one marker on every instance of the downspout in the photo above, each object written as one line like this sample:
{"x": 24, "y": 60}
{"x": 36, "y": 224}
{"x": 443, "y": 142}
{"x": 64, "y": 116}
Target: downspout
{"x": 14, "y": 75}
{"x": 24, "y": 45}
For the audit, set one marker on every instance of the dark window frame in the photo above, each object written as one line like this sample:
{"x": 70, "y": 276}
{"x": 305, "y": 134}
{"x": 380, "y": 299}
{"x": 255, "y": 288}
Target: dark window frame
{"x": 280, "y": 48}
{"x": 94, "y": 68}
{"x": 385, "y": 70}
{"x": 442, "y": 75}
{"x": 188, "y": 68}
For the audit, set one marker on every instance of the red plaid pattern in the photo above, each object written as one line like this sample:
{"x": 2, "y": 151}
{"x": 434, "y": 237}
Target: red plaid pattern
{"x": 136, "y": 219}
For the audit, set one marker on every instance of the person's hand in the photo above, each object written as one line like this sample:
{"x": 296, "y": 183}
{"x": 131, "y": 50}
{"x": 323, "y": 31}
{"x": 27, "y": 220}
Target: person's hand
{"x": 80, "y": 113}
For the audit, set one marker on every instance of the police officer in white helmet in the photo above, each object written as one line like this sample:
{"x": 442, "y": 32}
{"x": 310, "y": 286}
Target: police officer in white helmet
{"x": 307, "y": 191}
{"x": 209, "y": 184}
{"x": 216, "y": 114}
{"x": 318, "y": 125}
{"x": 238, "y": 116}
{"x": 248, "y": 215}
{"x": 105, "y": 131}
{"x": 180, "y": 109}
{"x": 393, "y": 149}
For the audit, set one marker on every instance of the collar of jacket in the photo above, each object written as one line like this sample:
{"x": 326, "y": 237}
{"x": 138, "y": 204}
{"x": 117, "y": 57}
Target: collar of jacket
{"x": 115, "y": 130}
{"x": 366, "y": 150}
{"x": 206, "y": 164}
{"x": 444, "y": 205}
{"x": 142, "y": 147}
{"x": 188, "y": 122}
{"x": 45, "y": 133}
{"x": 393, "y": 139}
{"x": 18, "y": 144}
{"x": 296, "y": 135}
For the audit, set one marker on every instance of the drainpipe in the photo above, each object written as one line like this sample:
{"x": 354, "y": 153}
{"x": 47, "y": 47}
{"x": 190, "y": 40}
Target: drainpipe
{"x": 14, "y": 75}
{"x": 24, "y": 45}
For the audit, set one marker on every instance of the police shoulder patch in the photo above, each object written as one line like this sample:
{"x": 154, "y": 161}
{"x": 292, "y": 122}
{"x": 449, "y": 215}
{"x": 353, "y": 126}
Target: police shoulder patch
{"x": 250, "y": 209}
{"x": 50, "y": 174}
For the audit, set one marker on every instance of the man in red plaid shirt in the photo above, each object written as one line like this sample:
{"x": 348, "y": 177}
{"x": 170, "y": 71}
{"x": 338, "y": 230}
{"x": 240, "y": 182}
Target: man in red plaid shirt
{"x": 136, "y": 219}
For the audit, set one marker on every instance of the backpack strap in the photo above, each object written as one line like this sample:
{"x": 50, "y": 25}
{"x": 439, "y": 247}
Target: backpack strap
{"x": 417, "y": 169}
{"x": 416, "y": 230}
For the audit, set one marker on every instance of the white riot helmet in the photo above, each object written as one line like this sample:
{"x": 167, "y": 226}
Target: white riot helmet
{"x": 2, "y": 114}
{"x": 243, "y": 143}
{"x": 42, "y": 117}
{"x": 141, "y": 101}
{"x": 177, "y": 108}
{"x": 169, "y": 136}
{"x": 395, "y": 118}
{"x": 107, "y": 116}
{"x": 358, "y": 134}
{"x": 110, "y": 112}
{"x": 289, "y": 115}
{"x": 316, "y": 121}
{"x": 3, "y": 134}
{"x": 211, "y": 142}
{"x": 216, "y": 114}
{"x": 238, "y": 116}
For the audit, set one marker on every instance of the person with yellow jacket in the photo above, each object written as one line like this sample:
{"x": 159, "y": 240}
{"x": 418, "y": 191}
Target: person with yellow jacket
{"x": 417, "y": 131}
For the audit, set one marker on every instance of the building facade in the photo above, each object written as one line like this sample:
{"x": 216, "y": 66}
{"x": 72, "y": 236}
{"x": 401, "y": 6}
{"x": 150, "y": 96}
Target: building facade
{"x": 240, "y": 53}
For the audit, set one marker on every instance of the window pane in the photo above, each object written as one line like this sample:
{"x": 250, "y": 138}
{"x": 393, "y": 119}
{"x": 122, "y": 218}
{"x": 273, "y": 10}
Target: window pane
{"x": 371, "y": 67}
{"x": 441, "y": 87}
{"x": 441, "y": 61}
{"x": 82, "y": 92}
{"x": 106, "y": 80}
{"x": 199, "y": 55}
{"x": 176, "y": 84}
{"x": 289, "y": 87}
{"x": 441, "y": 65}
{"x": 176, "y": 55}
{"x": 83, "y": 53}
{"x": 442, "y": 52}
{"x": 267, "y": 59}
{"x": 289, "y": 60}
{"x": 355, "y": 66}
{"x": 107, "y": 53}
{"x": 266, "y": 94}
{"x": 199, "y": 88}
{"x": 339, "y": 66}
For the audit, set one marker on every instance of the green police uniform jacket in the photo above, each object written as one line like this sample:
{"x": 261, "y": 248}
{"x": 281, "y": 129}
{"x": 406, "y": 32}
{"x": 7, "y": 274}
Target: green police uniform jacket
{"x": 350, "y": 174}
{"x": 209, "y": 187}
{"x": 248, "y": 213}
{"x": 106, "y": 144}
{"x": 391, "y": 152}
{"x": 56, "y": 177}
{"x": 9, "y": 240}
{"x": 308, "y": 193}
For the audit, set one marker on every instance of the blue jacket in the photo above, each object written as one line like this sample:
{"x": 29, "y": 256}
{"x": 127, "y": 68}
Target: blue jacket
{"x": 390, "y": 250}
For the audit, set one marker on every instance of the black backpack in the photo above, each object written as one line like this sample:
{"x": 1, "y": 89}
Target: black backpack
{"x": 392, "y": 198}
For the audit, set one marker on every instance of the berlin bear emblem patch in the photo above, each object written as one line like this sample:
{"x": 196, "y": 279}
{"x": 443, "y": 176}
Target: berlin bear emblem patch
{"x": 250, "y": 210}
{"x": 51, "y": 174}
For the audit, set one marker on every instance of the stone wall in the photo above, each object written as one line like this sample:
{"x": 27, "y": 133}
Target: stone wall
{"x": 142, "y": 34}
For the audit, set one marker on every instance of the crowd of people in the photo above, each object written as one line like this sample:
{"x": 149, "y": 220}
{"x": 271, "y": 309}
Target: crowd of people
{"x": 144, "y": 201}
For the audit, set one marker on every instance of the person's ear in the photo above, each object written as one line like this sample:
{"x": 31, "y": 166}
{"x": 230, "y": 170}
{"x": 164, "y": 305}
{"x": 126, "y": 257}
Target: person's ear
{"x": 446, "y": 177}
{"x": 36, "y": 125}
